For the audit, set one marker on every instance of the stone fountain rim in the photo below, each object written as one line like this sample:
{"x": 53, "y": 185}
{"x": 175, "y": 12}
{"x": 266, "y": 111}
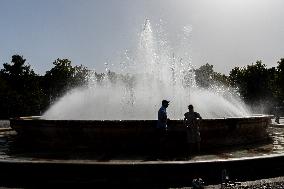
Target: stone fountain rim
{"x": 39, "y": 118}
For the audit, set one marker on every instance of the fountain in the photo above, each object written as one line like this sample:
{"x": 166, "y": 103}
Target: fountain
{"x": 151, "y": 74}
{"x": 118, "y": 113}
{"x": 124, "y": 107}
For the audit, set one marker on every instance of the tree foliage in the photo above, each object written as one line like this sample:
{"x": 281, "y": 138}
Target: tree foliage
{"x": 205, "y": 77}
{"x": 280, "y": 81}
{"x": 23, "y": 92}
{"x": 256, "y": 84}
{"x": 63, "y": 77}
{"x": 19, "y": 90}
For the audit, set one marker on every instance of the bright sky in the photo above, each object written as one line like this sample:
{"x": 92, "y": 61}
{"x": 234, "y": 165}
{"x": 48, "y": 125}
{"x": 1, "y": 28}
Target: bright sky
{"x": 225, "y": 33}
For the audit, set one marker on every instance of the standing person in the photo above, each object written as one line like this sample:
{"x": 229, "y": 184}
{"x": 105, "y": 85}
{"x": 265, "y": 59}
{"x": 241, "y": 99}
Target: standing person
{"x": 161, "y": 127}
{"x": 162, "y": 116}
{"x": 192, "y": 121}
{"x": 277, "y": 114}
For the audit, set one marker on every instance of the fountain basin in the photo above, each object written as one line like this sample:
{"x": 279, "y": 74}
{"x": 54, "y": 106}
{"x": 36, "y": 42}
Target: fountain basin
{"x": 140, "y": 133}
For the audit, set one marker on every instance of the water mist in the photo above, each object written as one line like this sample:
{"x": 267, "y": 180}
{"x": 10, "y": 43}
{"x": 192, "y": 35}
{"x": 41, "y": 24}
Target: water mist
{"x": 151, "y": 74}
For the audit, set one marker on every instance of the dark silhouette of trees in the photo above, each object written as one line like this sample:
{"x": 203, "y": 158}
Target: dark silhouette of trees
{"x": 20, "y": 91}
{"x": 205, "y": 76}
{"x": 63, "y": 77}
{"x": 256, "y": 84}
{"x": 25, "y": 93}
{"x": 280, "y": 81}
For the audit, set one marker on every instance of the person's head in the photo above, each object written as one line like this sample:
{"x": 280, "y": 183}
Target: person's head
{"x": 190, "y": 107}
{"x": 165, "y": 103}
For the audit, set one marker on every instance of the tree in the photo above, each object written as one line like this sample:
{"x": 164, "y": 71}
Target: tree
{"x": 256, "y": 83}
{"x": 17, "y": 67}
{"x": 280, "y": 81}
{"x": 63, "y": 77}
{"x": 80, "y": 77}
{"x": 20, "y": 90}
{"x": 203, "y": 75}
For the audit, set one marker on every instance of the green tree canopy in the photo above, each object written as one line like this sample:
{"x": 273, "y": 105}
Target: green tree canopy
{"x": 205, "y": 76}
{"x": 62, "y": 77}
{"x": 255, "y": 82}
{"x": 20, "y": 92}
{"x": 280, "y": 81}
{"x": 17, "y": 67}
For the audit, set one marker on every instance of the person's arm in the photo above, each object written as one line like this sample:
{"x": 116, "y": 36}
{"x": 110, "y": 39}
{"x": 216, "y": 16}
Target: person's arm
{"x": 198, "y": 115}
{"x": 164, "y": 117}
{"x": 184, "y": 119}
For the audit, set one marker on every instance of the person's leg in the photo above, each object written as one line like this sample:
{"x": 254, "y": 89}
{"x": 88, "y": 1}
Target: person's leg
{"x": 277, "y": 119}
{"x": 190, "y": 145}
{"x": 198, "y": 139}
{"x": 162, "y": 140}
{"x": 198, "y": 147}
{"x": 158, "y": 143}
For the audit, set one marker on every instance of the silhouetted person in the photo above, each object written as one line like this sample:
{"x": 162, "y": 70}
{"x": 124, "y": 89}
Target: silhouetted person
{"x": 162, "y": 115}
{"x": 277, "y": 114}
{"x": 192, "y": 121}
{"x": 161, "y": 127}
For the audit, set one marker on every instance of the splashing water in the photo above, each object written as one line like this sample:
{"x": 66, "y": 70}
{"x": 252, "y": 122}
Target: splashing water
{"x": 151, "y": 75}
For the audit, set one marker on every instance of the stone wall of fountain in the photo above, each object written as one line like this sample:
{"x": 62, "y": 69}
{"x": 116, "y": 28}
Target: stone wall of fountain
{"x": 140, "y": 134}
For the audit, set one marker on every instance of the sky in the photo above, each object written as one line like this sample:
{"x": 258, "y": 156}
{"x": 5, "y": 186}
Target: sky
{"x": 225, "y": 33}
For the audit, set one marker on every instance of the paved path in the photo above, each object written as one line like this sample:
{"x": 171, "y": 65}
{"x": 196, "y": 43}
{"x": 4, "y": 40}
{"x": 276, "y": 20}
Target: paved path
{"x": 271, "y": 183}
